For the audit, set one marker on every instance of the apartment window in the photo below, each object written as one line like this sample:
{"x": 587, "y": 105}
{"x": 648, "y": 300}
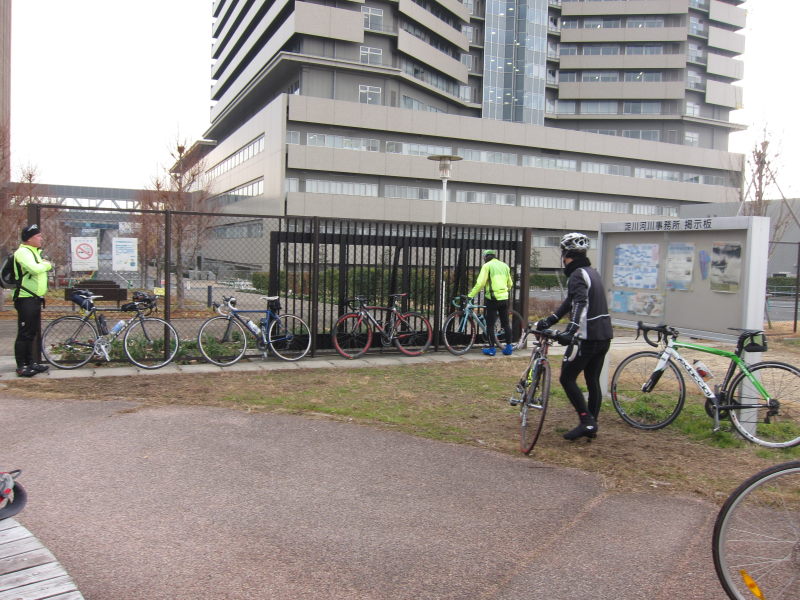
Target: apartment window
{"x": 412, "y": 193}
{"x": 568, "y": 50}
{"x": 369, "y": 94}
{"x": 696, "y": 52}
{"x": 663, "y": 174}
{"x": 641, "y": 108}
{"x": 697, "y": 26}
{"x": 695, "y": 80}
{"x": 569, "y": 23}
{"x": 546, "y": 241}
{"x": 565, "y": 107}
{"x": 416, "y": 149}
{"x": 605, "y": 168}
{"x": 567, "y": 76}
{"x": 547, "y": 162}
{"x": 467, "y": 60}
{"x": 603, "y": 206}
{"x": 371, "y": 56}
{"x": 292, "y": 137}
{"x": 600, "y": 50}
{"x": 645, "y": 209}
{"x": 653, "y": 135}
{"x": 248, "y": 190}
{"x": 343, "y": 188}
{"x": 602, "y": 131}
{"x": 599, "y": 76}
{"x": 691, "y": 138}
{"x": 644, "y": 22}
{"x": 692, "y": 109}
{"x": 644, "y": 49}
{"x": 342, "y": 141}
{"x": 599, "y": 107}
{"x": 469, "y": 31}
{"x": 469, "y": 5}
{"x": 601, "y": 23}
{"x": 292, "y": 184}
{"x": 643, "y": 76}
{"x": 547, "y": 202}
{"x": 373, "y": 18}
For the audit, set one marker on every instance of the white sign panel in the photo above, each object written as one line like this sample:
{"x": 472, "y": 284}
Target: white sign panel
{"x": 124, "y": 254}
{"x": 84, "y": 253}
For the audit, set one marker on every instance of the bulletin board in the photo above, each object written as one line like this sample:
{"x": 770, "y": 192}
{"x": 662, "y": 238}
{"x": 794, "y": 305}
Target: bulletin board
{"x": 700, "y": 275}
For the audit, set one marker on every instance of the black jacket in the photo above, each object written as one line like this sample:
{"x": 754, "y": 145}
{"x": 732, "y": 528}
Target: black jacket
{"x": 586, "y": 302}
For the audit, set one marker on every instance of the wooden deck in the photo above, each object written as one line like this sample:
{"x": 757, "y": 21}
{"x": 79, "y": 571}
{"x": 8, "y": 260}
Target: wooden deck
{"x": 28, "y": 570}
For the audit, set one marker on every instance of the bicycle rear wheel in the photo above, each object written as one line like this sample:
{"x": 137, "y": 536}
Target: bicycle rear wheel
{"x": 459, "y": 333}
{"x": 756, "y": 542}
{"x": 500, "y": 338}
{"x": 68, "y": 342}
{"x": 289, "y": 337}
{"x": 150, "y": 343}
{"x": 352, "y": 335}
{"x": 652, "y": 409}
{"x": 222, "y": 341}
{"x": 534, "y": 404}
{"x": 413, "y": 333}
{"x": 775, "y": 424}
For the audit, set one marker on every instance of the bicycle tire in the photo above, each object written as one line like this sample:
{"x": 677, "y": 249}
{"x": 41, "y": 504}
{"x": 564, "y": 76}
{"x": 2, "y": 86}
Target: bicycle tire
{"x": 68, "y": 342}
{"x": 150, "y": 343}
{"x": 289, "y": 337}
{"x": 533, "y": 408}
{"x": 222, "y": 341}
{"x": 776, "y": 426}
{"x": 647, "y": 410}
{"x": 757, "y": 536}
{"x": 459, "y": 332}
{"x": 412, "y": 333}
{"x": 352, "y": 335}
{"x": 515, "y": 321}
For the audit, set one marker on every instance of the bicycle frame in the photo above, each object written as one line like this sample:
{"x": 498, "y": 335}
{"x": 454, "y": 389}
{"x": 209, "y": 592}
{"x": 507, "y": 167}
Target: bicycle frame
{"x": 234, "y": 313}
{"x": 470, "y": 312}
{"x": 388, "y": 329}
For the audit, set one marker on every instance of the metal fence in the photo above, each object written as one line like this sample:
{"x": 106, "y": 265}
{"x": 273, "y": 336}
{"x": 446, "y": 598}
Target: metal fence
{"x": 313, "y": 264}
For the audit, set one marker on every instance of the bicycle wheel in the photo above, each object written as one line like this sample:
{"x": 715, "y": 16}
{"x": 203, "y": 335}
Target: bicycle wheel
{"x": 756, "y": 543}
{"x": 352, "y": 335}
{"x": 652, "y": 409}
{"x": 289, "y": 337}
{"x": 500, "y": 337}
{"x": 68, "y": 342}
{"x": 150, "y": 343}
{"x": 222, "y": 341}
{"x": 775, "y": 424}
{"x": 534, "y": 405}
{"x": 459, "y": 332}
{"x": 413, "y": 333}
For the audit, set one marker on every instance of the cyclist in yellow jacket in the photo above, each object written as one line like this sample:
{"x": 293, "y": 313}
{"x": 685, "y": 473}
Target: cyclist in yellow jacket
{"x": 495, "y": 279}
{"x": 28, "y": 300}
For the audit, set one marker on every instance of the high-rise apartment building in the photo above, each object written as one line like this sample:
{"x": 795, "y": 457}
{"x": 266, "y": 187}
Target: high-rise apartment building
{"x": 566, "y": 113}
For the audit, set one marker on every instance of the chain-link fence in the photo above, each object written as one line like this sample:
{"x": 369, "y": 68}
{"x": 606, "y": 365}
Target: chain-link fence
{"x": 313, "y": 264}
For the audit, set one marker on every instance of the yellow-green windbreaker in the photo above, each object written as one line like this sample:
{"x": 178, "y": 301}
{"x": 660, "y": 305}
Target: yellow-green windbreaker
{"x": 495, "y": 276}
{"x": 33, "y": 269}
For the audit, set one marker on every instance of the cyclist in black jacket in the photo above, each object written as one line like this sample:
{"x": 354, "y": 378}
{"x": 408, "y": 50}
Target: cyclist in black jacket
{"x": 587, "y": 336}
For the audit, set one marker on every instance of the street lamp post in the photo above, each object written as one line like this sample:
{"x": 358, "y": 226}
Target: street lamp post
{"x": 445, "y": 161}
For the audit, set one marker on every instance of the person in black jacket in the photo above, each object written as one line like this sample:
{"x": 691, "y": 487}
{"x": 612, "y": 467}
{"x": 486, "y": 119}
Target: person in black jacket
{"x": 587, "y": 336}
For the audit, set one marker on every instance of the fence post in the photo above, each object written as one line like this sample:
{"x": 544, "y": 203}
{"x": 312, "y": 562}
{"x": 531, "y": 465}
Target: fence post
{"x": 34, "y": 214}
{"x": 314, "y": 284}
{"x": 796, "y": 287}
{"x": 167, "y": 263}
{"x": 525, "y": 275}
{"x": 439, "y": 286}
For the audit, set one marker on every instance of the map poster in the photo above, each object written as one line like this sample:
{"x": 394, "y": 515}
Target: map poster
{"x": 636, "y": 266}
{"x": 638, "y": 303}
{"x": 680, "y": 266}
{"x": 84, "y": 253}
{"x": 124, "y": 254}
{"x": 726, "y": 267}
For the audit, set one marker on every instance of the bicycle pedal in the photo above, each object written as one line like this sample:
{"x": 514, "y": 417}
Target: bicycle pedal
{"x": 514, "y": 402}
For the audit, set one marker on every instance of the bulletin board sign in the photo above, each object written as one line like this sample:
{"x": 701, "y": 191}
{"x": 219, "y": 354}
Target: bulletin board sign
{"x": 700, "y": 275}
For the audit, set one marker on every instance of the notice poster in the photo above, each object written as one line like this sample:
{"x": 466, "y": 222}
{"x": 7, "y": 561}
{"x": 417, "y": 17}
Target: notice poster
{"x": 638, "y": 303}
{"x": 124, "y": 254}
{"x": 636, "y": 266}
{"x": 680, "y": 266}
{"x": 84, "y": 253}
{"x": 726, "y": 267}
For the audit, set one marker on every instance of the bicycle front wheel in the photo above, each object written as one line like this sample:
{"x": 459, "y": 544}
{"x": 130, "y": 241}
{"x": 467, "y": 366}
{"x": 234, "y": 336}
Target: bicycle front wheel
{"x": 651, "y": 409}
{"x": 289, "y": 337}
{"x": 150, "y": 343}
{"x": 757, "y": 536}
{"x": 534, "y": 404}
{"x": 352, "y": 335}
{"x": 68, "y": 342}
{"x": 774, "y": 423}
{"x": 222, "y": 341}
{"x": 412, "y": 333}
{"x": 459, "y": 333}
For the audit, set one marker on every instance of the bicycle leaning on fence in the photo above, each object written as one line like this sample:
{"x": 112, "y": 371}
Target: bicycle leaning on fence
{"x": 222, "y": 340}
{"x": 756, "y": 542}
{"x": 147, "y": 342}
{"x": 463, "y": 327}
{"x": 532, "y": 391}
{"x": 761, "y": 400}
{"x": 353, "y": 333}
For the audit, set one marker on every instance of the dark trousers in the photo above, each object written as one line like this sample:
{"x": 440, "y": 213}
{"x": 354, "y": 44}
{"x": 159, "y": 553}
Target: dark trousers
{"x": 28, "y": 346}
{"x": 493, "y": 308}
{"x": 589, "y": 360}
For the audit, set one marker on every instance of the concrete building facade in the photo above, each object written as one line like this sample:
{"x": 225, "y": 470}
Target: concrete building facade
{"x": 565, "y": 114}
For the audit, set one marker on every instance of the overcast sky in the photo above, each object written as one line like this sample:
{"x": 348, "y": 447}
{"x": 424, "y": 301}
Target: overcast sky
{"x": 101, "y": 90}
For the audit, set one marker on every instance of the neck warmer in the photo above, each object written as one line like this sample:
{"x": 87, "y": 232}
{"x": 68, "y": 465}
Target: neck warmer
{"x": 577, "y": 263}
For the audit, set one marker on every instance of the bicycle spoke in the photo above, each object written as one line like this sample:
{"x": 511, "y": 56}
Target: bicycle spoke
{"x": 352, "y": 336}
{"x": 68, "y": 342}
{"x": 651, "y": 409}
{"x": 222, "y": 341}
{"x": 289, "y": 337}
{"x": 413, "y": 334}
{"x": 150, "y": 343}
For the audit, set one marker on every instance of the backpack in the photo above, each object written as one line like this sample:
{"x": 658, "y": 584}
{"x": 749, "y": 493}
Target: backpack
{"x": 8, "y": 273}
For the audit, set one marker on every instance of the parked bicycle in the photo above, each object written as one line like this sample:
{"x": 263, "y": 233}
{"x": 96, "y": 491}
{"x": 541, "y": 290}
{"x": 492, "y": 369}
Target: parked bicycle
{"x": 533, "y": 388}
{"x": 467, "y": 325}
{"x": 756, "y": 543}
{"x": 353, "y": 333}
{"x": 761, "y": 400}
{"x": 147, "y": 342}
{"x": 223, "y": 340}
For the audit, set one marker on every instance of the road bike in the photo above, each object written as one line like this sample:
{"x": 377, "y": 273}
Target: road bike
{"x": 147, "y": 342}
{"x": 465, "y": 326}
{"x": 756, "y": 542}
{"x": 353, "y": 333}
{"x": 533, "y": 389}
{"x": 761, "y": 400}
{"x": 223, "y": 339}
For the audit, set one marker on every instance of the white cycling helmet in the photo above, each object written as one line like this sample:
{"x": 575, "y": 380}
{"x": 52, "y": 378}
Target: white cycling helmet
{"x": 574, "y": 241}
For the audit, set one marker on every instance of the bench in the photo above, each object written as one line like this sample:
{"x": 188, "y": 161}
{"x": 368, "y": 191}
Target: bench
{"x": 109, "y": 290}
